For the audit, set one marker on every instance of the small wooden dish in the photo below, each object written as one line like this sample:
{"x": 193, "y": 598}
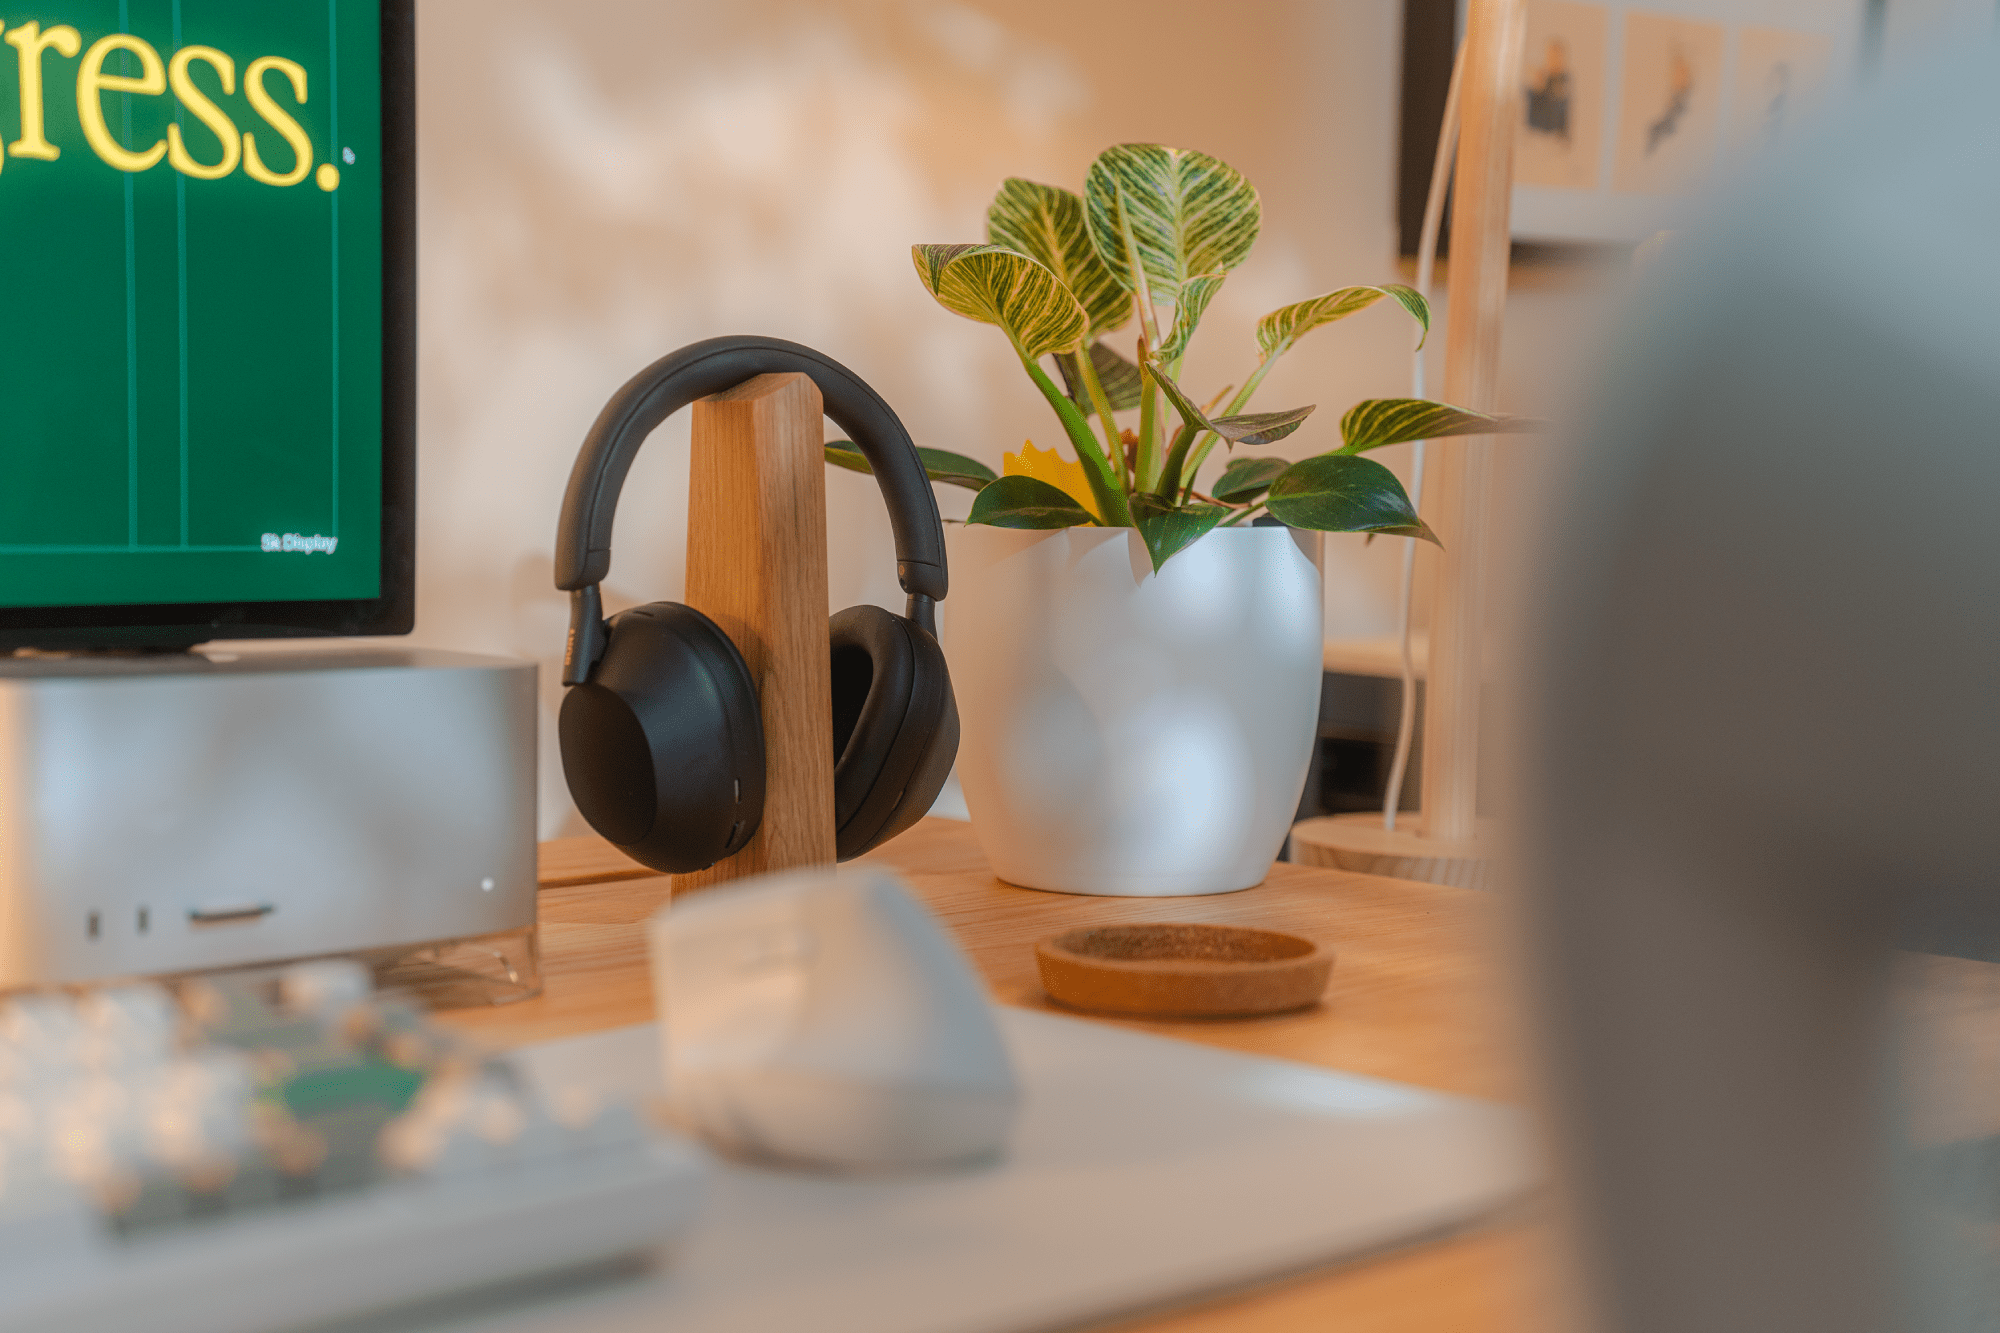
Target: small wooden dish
{"x": 1182, "y": 971}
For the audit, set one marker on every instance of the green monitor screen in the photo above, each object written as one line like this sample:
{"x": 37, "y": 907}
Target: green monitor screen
{"x": 206, "y": 355}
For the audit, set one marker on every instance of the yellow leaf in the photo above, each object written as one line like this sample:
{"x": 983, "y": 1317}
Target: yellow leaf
{"x": 1047, "y": 465}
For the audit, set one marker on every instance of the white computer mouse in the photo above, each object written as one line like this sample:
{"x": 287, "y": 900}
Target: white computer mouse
{"x": 824, "y": 1017}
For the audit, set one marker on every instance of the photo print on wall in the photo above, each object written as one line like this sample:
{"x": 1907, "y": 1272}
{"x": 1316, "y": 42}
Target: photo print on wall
{"x": 1627, "y": 109}
{"x": 1779, "y": 77}
{"x": 1670, "y": 110}
{"x": 1560, "y": 137}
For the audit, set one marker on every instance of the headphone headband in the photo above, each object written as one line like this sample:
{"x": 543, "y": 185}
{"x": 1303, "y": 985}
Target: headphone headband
{"x": 583, "y": 539}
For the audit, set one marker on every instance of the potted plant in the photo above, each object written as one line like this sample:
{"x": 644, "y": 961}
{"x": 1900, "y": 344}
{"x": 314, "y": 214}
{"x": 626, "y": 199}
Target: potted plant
{"x": 1137, "y": 662}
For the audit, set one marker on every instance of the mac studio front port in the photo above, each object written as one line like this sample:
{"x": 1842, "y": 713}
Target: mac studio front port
{"x": 497, "y": 968}
{"x": 474, "y": 972}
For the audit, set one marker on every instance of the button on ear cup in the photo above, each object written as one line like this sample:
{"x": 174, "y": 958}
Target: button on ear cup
{"x": 895, "y": 726}
{"x": 663, "y": 746}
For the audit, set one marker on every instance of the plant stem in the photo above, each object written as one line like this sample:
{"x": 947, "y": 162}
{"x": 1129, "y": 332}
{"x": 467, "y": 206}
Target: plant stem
{"x": 1242, "y": 398}
{"x": 1170, "y": 475}
{"x": 1102, "y": 403}
{"x": 1148, "y": 463}
{"x": 1201, "y": 455}
{"x": 1147, "y": 473}
{"x": 1111, "y": 504}
{"x": 1236, "y": 519}
{"x": 1141, "y": 289}
{"x": 1170, "y": 471}
{"x": 1236, "y": 404}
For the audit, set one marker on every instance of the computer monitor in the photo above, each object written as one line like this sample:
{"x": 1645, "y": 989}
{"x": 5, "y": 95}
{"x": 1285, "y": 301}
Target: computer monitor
{"x": 208, "y": 321}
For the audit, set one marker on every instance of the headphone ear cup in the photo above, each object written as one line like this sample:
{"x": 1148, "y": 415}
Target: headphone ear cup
{"x": 895, "y": 726}
{"x": 663, "y": 746}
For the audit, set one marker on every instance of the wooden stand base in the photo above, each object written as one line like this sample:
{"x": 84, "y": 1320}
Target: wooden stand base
{"x": 1358, "y": 842}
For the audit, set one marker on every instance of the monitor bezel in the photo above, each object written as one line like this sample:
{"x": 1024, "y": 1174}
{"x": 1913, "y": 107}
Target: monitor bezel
{"x": 184, "y": 624}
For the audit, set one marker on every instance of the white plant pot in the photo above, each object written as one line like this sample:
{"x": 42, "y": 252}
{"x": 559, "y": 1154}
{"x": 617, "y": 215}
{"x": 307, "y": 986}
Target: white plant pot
{"x": 1125, "y": 732}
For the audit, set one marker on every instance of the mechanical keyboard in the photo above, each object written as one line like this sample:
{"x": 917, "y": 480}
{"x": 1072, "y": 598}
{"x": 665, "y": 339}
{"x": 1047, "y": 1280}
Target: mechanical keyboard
{"x": 262, "y": 1151}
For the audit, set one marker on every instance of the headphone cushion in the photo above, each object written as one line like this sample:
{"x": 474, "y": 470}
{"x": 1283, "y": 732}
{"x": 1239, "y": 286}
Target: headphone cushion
{"x": 895, "y": 726}
{"x": 663, "y": 746}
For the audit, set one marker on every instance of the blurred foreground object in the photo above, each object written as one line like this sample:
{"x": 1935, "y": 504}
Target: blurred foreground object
{"x": 825, "y": 1018}
{"x": 269, "y": 1150}
{"x": 1770, "y": 736}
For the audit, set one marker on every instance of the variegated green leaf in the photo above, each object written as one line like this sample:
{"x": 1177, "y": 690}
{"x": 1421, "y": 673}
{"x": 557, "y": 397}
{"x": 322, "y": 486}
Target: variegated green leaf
{"x": 1027, "y": 502}
{"x": 1168, "y": 528}
{"x": 939, "y": 465}
{"x": 931, "y": 259}
{"x": 1196, "y": 293}
{"x": 995, "y": 285}
{"x": 1248, "y": 477}
{"x": 1277, "y": 331}
{"x": 1342, "y": 493}
{"x": 1046, "y": 224}
{"x": 1245, "y": 428}
{"x": 1189, "y": 214}
{"x": 1374, "y": 422}
{"x": 1120, "y": 379}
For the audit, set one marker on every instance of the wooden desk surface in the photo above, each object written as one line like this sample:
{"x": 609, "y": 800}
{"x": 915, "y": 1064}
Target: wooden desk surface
{"x": 1414, "y": 997}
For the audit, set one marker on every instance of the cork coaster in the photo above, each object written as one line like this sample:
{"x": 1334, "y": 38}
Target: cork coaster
{"x": 1170, "y": 970}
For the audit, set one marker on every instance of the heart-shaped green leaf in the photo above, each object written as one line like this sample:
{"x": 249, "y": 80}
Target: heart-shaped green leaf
{"x": 1277, "y": 331}
{"x": 1120, "y": 378}
{"x": 1247, "y": 478}
{"x": 1167, "y": 529}
{"x": 1374, "y": 422}
{"x": 1188, "y": 213}
{"x": 1025, "y": 502}
{"x": 1342, "y": 493}
{"x": 1196, "y": 293}
{"x": 995, "y": 285}
{"x": 1046, "y": 224}
{"x": 939, "y": 465}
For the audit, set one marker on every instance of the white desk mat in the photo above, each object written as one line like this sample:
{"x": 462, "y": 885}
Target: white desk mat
{"x": 1144, "y": 1171}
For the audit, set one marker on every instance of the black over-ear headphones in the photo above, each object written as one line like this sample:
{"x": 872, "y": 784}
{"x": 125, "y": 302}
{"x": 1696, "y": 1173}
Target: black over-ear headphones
{"x": 662, "y": 741}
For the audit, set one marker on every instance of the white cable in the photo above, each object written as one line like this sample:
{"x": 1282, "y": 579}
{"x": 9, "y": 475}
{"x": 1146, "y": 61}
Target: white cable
{"x": 1426, "y": 257}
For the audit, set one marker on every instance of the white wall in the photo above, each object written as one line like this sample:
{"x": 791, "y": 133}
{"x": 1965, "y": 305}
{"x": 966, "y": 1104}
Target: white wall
{"x": 603, "y": 180}
{"x": 1913, "y": 28}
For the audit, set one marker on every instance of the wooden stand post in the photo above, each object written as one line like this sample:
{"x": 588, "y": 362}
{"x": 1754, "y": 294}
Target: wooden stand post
{"x": 756, "y": 566}
{"x": 1452, "y": 847}
{"x": 1481, "y": 234}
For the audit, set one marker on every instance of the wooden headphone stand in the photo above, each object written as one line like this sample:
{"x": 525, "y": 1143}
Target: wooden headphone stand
{"x": 756, "y": 566}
